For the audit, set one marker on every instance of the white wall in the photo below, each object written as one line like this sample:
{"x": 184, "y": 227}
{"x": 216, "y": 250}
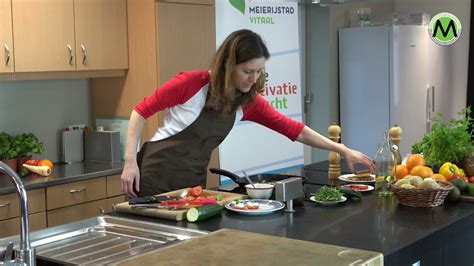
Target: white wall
{"x": 44, "y": 108}
{"x": 459, "y": 50}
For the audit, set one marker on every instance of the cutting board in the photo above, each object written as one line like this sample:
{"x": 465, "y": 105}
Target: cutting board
{"x": 175, "y": 215}
{"x": 232, "y": 247}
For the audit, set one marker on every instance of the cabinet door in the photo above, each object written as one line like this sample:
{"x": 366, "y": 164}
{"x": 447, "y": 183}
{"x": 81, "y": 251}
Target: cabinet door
{"x": 101, "y": 34}
{"x": 44, "y": 35}
{"x": 6, "y": 39}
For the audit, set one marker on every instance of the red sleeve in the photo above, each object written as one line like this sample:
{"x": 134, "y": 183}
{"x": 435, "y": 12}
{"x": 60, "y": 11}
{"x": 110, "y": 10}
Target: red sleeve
{"x": 177, "y": 90}
{"x": 263, "y": 113}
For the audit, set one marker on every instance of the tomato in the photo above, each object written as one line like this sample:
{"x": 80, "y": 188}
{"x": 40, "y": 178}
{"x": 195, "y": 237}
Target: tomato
{"x": 195, "y": 191}
{"x": 251, "y": 207}
{"x": 465, "y": 179}
{"x": 47, "y": 163}
{"x": 32, "y": 162}
{"x": 453, "y": 176}
{"x": 471, "y": 179}
{"x": 177, "y": 202}
{"x": 190, "y": 198}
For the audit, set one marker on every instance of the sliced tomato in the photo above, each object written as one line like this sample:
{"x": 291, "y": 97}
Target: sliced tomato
{"x": 251, "y": 207}
{"x": 195, "y": 191}
{"x": 174, "y": 202}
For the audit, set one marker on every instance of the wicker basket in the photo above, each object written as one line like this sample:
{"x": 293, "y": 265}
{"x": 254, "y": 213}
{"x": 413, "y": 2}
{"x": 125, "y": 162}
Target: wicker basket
{"x": 418, "y": 197}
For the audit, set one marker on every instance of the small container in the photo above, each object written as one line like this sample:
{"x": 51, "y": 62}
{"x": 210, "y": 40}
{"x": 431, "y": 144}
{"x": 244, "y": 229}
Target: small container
{"x": 261, "y": 190}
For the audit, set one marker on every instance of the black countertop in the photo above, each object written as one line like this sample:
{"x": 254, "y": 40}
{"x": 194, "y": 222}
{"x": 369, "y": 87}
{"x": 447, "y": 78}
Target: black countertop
{"x": 403, "y": 234}
{"x": 63, "y": 173}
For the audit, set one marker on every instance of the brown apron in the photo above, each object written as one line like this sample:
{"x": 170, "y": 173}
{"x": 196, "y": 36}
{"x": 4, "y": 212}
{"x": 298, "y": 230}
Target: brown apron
{"x": 181, "y": 160}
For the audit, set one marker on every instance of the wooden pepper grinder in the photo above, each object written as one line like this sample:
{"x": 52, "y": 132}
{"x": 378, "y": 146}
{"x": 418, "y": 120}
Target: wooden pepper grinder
{"x": 334, "y": 158}
{"x": 395, "y": 133}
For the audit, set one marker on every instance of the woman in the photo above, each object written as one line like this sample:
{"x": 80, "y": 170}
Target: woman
{"x": 202, "y": 109}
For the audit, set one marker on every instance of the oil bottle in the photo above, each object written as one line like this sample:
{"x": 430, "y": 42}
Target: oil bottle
{"x": 385, "y": 162}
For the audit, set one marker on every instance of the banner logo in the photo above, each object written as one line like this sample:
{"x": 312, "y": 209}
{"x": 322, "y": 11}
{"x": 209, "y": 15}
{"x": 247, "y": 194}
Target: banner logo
{"x": 445, "y": 28}
{"x": 239, "y": 5}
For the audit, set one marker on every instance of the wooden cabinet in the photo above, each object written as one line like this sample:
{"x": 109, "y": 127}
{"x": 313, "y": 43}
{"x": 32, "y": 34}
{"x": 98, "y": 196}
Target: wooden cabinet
{"x": 101, "y": 34}
{"x": 82, "y": 199}
{"x": 44, "y": 35}
{"x": 75, "y": 193}
{"x": 10, "y": 212}
{"x": 66, "y": 35}
{"x": 7, "y": 60}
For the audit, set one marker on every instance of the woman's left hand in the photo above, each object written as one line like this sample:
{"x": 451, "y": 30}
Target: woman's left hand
{"x": 353, "y": 157}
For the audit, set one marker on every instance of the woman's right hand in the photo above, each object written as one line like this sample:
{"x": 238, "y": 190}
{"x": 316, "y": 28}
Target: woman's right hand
{"x": 130, "y": 176}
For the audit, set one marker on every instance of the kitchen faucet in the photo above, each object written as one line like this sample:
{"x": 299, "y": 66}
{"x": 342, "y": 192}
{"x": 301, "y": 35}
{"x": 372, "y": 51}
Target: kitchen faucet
{"x": 25, "y": 254}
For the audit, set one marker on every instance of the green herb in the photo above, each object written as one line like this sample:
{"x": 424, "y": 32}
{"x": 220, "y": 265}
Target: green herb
{"x": 328, "y": 194}
{"x": 448, "y": 141}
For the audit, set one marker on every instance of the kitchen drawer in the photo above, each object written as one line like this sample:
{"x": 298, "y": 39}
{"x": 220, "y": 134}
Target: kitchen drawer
{"x": 10, "y": 207}
{"x": 75, "y": 193}
{"x": 114, "y": 186}
{"x": 11, "y": 227}
{"x": 75, "y": 213}
{"x": 113, "y": 201}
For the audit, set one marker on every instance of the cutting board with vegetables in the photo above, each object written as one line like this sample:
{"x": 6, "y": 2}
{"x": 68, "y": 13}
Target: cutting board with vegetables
{"x": 179, "y": 214}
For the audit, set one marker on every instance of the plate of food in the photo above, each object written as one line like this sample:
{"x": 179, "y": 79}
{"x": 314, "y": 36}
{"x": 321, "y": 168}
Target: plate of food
{"x": 358, "y": 187}
{"x": 328, "y": 202}
{"x": 328, "y": 196}
{"x": 254, "y": 206}
{"x": 358, "y": 177}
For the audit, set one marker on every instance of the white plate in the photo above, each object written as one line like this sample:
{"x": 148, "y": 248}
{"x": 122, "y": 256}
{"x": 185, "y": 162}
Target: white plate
{"x": 347, "y": 176}
{"x": 368, "y": 187}
{"x": 264, "y": 206}
{"x": 328, "y": 202}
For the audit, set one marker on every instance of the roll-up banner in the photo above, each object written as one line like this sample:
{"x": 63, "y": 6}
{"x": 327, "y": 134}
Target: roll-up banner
{"x": 250, "y": 146}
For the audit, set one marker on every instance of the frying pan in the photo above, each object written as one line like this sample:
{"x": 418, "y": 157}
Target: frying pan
{"x": 258, "y": 178}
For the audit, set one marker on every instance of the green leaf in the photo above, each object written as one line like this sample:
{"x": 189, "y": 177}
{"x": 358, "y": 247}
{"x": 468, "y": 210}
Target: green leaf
{"x": 238, "y": 4}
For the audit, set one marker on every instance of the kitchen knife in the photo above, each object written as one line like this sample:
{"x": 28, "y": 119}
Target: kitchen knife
{"x": 152, "y": 199}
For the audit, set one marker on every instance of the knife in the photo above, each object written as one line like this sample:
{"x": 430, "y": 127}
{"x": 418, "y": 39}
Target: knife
{"x": 152, "y": 199}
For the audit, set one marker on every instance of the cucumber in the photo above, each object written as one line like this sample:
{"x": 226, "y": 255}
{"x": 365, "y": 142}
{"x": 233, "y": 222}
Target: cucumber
{"x": 203, "y": 212}
{"x": 350, "y": 193}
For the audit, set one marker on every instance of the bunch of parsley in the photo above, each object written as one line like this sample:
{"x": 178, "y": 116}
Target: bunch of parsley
{"x": 448, "y": 141}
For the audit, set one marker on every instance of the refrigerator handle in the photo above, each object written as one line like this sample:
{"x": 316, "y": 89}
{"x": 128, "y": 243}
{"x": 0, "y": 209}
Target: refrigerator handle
{"x": 432, "y": 100}
{"x": 428, "y": 110}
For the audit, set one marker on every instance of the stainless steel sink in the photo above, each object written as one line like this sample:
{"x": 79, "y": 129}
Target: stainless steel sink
{"x": 103, "y": 240}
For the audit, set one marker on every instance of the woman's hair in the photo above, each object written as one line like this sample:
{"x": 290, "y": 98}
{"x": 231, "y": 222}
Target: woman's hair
{"x": 239, "y": 47}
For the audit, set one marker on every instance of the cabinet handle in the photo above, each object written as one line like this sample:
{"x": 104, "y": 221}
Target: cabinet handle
{"x": 5, "y": 205}
{"x": 77, "y": 190}
{"x": 84, "y": 52}
{"x": 71, "y": 54}
{"x": 7, "y": 53}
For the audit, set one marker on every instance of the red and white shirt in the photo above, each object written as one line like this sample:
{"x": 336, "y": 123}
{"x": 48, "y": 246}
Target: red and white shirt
{"x": 184, "y": 96}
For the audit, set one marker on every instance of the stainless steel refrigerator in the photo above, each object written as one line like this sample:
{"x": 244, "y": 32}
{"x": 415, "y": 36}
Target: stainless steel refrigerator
{"x": 390, "y": 75}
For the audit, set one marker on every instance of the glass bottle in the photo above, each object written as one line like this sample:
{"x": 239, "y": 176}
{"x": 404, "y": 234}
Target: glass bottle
{"x": 385, "y": 162}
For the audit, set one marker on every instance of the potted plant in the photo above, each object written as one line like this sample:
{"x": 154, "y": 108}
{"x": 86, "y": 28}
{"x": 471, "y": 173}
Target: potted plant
{"x": 28, "y": 145}
{"x": 448, "y": 141}
{"x": 8, "y": 151}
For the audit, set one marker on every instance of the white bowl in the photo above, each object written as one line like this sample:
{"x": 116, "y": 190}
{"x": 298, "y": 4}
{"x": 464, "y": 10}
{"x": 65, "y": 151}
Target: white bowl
{"x": 261, "y": 190}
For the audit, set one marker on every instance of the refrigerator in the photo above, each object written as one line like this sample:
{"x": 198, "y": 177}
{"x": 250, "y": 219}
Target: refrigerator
{"x": 390, "y": 75}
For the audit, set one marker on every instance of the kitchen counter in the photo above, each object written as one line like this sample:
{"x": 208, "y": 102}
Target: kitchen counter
{"x": 404, "y": 235}
{"x": 63, "y": 173}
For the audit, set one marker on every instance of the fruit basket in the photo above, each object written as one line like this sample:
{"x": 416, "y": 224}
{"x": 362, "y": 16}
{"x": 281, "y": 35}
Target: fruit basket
{"x": 421, "y": 197}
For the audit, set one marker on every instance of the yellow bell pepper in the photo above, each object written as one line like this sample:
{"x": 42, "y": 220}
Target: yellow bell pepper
{"x": 448, "y": 169}
{"x": 461, "y": 172}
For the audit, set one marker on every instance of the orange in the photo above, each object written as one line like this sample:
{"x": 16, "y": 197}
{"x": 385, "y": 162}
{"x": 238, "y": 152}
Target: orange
{"x": 438, "y": 177}
{"x": 414, "y": 160}
{"x": 421, "y": 171}
{"x": 401, "y": 171}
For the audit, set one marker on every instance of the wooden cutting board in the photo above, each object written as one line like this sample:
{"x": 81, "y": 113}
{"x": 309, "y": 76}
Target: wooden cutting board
{"x": 175, "y": 215}
{"x": 232, "y": 247}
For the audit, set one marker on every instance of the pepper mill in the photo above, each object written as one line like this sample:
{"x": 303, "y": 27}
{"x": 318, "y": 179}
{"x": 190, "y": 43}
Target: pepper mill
{"x": 395, "y": 133}
{"x": 334, "y": 158}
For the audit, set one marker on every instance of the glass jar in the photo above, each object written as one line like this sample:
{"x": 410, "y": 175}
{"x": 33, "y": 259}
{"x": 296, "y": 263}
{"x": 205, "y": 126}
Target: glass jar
{"x": 385, "y": 162}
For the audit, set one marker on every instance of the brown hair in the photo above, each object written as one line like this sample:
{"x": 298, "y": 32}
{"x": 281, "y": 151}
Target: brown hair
{"x": 239, "y": 47}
